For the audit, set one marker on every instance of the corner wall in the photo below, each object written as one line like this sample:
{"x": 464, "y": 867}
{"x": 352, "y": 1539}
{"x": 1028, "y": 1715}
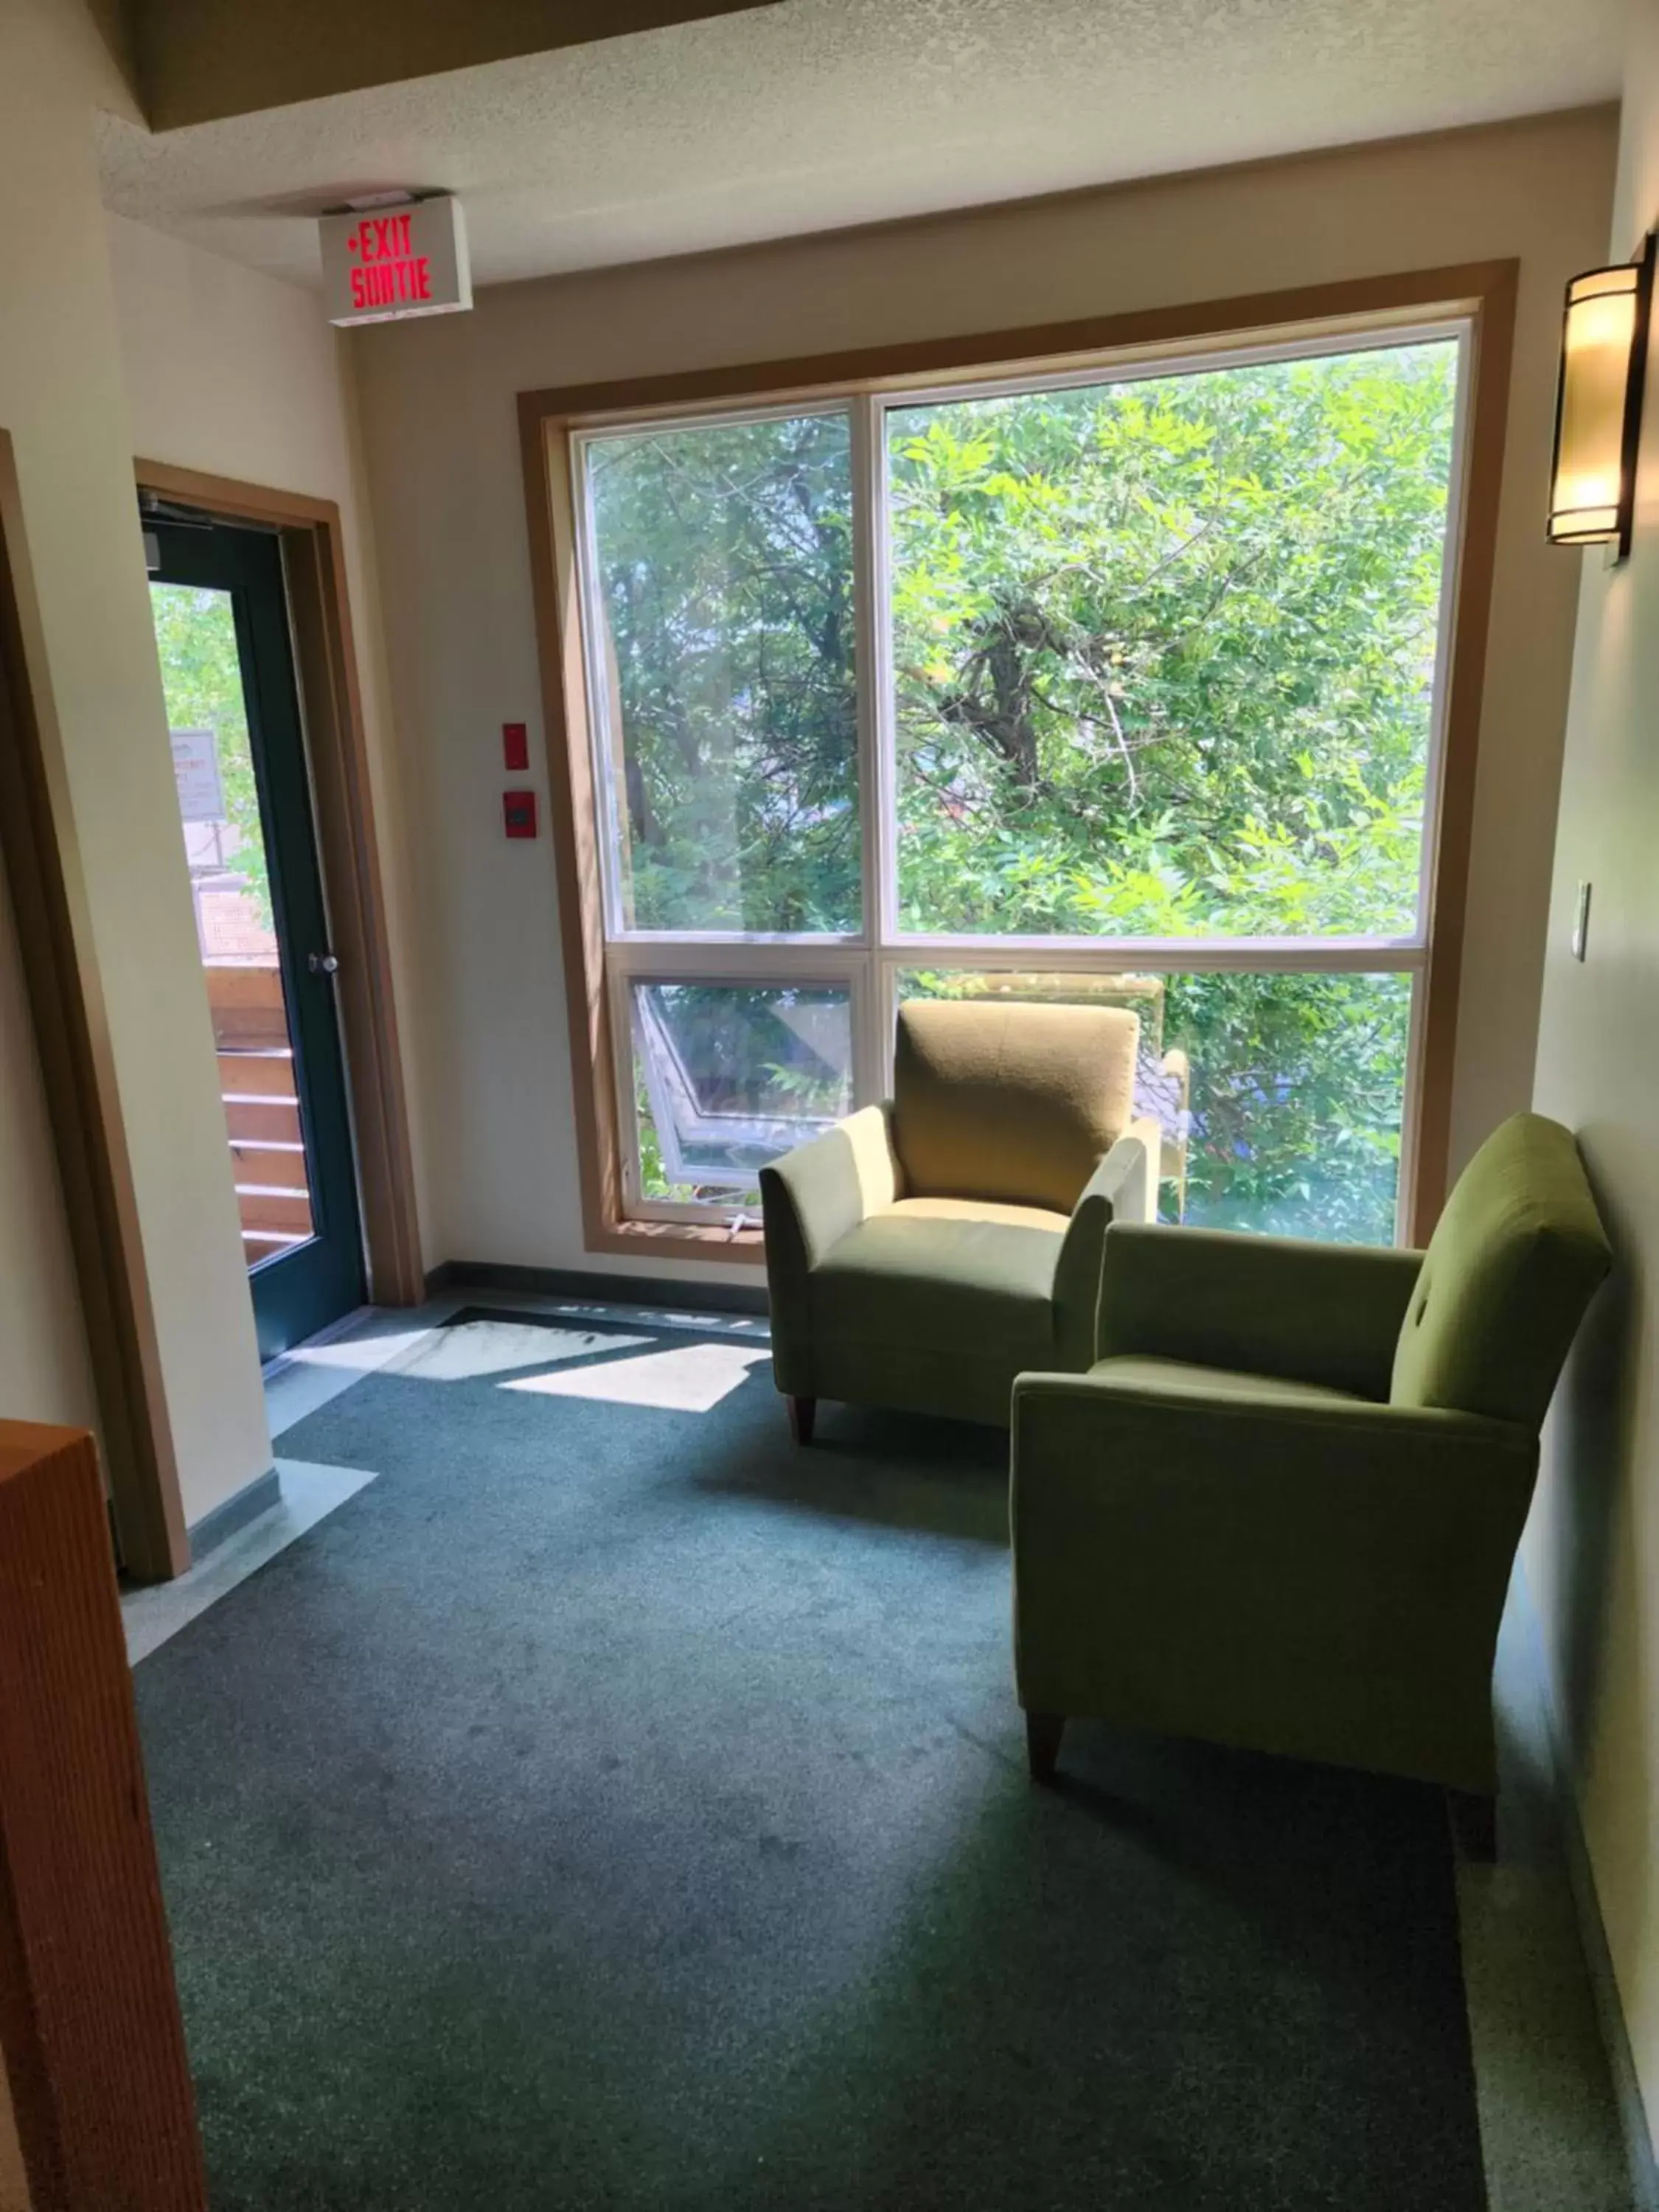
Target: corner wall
{"x": 237, "y": 374}
{"x": 442, "y": 441}
{"x": 61, "y": 398}
{"x": 45, "y": 1371}
{"x": 1592, "y": 1547}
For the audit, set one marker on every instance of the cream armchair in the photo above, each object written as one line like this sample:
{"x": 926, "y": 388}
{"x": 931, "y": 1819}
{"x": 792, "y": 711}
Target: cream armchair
{"x": 923, "y": 1253}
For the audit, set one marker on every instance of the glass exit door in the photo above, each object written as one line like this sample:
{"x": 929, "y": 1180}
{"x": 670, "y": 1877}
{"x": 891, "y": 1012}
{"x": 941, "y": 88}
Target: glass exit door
{"x": 221, "y": 630}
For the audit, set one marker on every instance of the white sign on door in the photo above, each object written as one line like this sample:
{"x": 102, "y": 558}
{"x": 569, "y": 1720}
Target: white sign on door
{"x": 195, "y": 772}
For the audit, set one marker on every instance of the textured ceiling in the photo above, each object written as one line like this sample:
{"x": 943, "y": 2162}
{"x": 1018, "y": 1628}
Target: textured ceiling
{"x": 816, "y": 113}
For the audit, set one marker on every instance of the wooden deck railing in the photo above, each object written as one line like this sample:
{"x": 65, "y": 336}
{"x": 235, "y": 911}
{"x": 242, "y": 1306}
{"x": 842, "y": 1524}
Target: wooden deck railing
{"x": 262, "y": 1112}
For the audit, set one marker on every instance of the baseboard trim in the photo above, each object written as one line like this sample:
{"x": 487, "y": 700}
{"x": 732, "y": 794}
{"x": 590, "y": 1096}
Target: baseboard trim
{"x": 1639, "y": 2157}
{"x": 233, "y": 1514}
{"x": 600, "y": 1290}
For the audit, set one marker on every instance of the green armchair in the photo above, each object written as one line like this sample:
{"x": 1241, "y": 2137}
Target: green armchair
{"x": 1281, "y": 1511}
{"x": 921, "y": 1253}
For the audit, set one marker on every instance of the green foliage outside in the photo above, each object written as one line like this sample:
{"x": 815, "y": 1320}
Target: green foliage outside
{"x": 726, "y": 559}
{"x": 764, "y": 1063}
{"x": 1162, "y": 653}
{"x": 202, "y": 677}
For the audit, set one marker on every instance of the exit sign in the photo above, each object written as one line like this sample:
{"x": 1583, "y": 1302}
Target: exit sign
{"x": 382, "y": 264}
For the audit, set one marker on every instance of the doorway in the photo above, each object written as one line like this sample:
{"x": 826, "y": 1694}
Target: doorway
{"x": 224, "y": 638}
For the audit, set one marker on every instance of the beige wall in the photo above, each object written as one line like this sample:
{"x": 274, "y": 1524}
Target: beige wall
{"x": 44, "y": 1370}
{"x": 1592, "y": 1550}
{"x": 237, "y": 374}
{"x": 442, "y": 441}
{"x": 61, "y": 398}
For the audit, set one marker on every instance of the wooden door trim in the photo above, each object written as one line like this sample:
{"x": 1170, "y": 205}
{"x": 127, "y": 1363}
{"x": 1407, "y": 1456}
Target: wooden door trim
{"x": 326, "y": 667}
{"x": 91, "y": 2042}
{"x": 43, "y": 865}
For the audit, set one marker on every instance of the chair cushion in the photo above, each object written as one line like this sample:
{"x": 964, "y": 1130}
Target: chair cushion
{"x": 971, "y": 1281}
{"x": 1509, "y": 1272}
{"x": 980, "y": 1209}
{"x": 1010, "y": 1102}
{"x": 1140, "y": 1371}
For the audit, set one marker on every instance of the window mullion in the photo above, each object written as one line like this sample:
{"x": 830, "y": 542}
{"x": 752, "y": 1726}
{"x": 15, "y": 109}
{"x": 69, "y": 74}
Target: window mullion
{"x": 1428, "y": 864}
{"x": 874, "y": 707}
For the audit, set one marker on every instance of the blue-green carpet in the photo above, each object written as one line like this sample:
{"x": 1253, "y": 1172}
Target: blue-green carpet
{"x": 614, "y": 1806}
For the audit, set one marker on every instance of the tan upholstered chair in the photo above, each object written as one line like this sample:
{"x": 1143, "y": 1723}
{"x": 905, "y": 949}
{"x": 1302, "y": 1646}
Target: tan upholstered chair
{"x": 922, "y": 1253}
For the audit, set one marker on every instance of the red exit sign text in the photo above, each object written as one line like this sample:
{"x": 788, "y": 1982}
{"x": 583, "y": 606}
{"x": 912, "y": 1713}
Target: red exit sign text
{"x": 388, "y": 270}
{"x": 382, "y": 263}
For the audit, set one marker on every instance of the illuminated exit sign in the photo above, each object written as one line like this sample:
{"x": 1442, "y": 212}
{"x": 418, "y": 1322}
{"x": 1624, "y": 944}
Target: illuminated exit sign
{"x": 380, "y": 263}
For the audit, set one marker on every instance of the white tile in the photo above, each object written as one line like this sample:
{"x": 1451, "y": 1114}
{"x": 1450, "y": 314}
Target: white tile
{"x": 158, "y": 1610}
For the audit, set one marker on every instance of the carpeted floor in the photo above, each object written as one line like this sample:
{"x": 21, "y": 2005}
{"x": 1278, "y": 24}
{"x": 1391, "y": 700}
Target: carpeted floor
{"x": 613, "y": 1807}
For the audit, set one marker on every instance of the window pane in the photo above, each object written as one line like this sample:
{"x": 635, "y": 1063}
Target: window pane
{"x": 230, "y": 888}
{"x": 724, "y": 690}
{"x": 1163, "y": 651}
{"x": 729, "y": 1075}
{"x": 1280, "y": 1096}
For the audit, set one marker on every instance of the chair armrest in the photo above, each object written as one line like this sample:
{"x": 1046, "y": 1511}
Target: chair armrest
{"x": 1123, "y": 1188}
{"x": 830, "y": 1184}
{"x": 810, "y": 1199}
{"x": 1268, "y": 1305}
{"x": 1323, "y": 1579}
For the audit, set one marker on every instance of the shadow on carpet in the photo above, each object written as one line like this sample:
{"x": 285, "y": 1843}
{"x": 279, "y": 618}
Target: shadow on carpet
{"x": 612, "y": 1806}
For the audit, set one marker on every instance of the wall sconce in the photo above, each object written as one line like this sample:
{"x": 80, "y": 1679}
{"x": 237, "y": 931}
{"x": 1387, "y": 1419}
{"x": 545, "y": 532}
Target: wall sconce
{"x": 1598, "y": 403}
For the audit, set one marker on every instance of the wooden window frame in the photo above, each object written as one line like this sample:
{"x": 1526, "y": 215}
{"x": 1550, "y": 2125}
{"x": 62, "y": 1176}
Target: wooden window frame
{"x": 1481, "y": 294}
{"x": 326, "y": 666}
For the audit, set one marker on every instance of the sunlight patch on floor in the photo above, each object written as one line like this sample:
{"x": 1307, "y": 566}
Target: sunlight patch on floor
{"x": 688, "y": 1378}
{"x": 468, "y": 1349}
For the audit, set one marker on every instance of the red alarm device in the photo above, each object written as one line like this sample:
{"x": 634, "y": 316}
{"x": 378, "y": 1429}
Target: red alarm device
{"x": 515, "y": 747}
{"x": 519, "y": 812}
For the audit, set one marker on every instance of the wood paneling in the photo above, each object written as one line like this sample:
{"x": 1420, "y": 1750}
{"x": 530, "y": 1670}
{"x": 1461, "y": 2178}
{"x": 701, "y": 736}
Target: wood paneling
{"x": 247, "y": 1005}
{"x": 95, "y": 2050}
{"x": 267, "y": 1075}
{"x": 258, "y": 1121}
{"x": 271, "y": 1167}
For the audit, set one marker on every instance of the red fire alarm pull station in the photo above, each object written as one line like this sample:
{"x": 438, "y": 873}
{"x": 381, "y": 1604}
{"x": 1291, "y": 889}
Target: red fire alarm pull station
{"x": 515, "y": 747}
{"x": 519, "y": 809}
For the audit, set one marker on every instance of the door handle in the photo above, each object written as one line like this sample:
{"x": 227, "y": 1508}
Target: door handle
{"x": 323, "y": 963}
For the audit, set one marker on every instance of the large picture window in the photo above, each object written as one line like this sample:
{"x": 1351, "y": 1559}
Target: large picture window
{"x": 1122, "y": 681}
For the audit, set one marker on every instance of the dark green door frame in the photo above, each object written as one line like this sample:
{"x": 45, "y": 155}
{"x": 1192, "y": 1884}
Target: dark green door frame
{"x": 296, "y": 1292}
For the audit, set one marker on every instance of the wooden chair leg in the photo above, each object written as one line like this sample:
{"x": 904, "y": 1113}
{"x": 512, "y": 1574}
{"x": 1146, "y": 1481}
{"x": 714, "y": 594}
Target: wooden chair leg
{"x": 1043, "y": 1735}
{"x": 1475, "y": 1824}
{"x": 803, "y": 1412}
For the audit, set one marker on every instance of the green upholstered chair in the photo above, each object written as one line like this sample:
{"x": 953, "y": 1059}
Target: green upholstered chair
{"x": 921, "y": 1253}
{"x": 1281, "y": 1509}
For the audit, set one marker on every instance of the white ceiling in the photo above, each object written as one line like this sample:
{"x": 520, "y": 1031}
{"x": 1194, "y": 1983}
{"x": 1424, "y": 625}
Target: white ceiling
{"x": 816, "y": 114}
